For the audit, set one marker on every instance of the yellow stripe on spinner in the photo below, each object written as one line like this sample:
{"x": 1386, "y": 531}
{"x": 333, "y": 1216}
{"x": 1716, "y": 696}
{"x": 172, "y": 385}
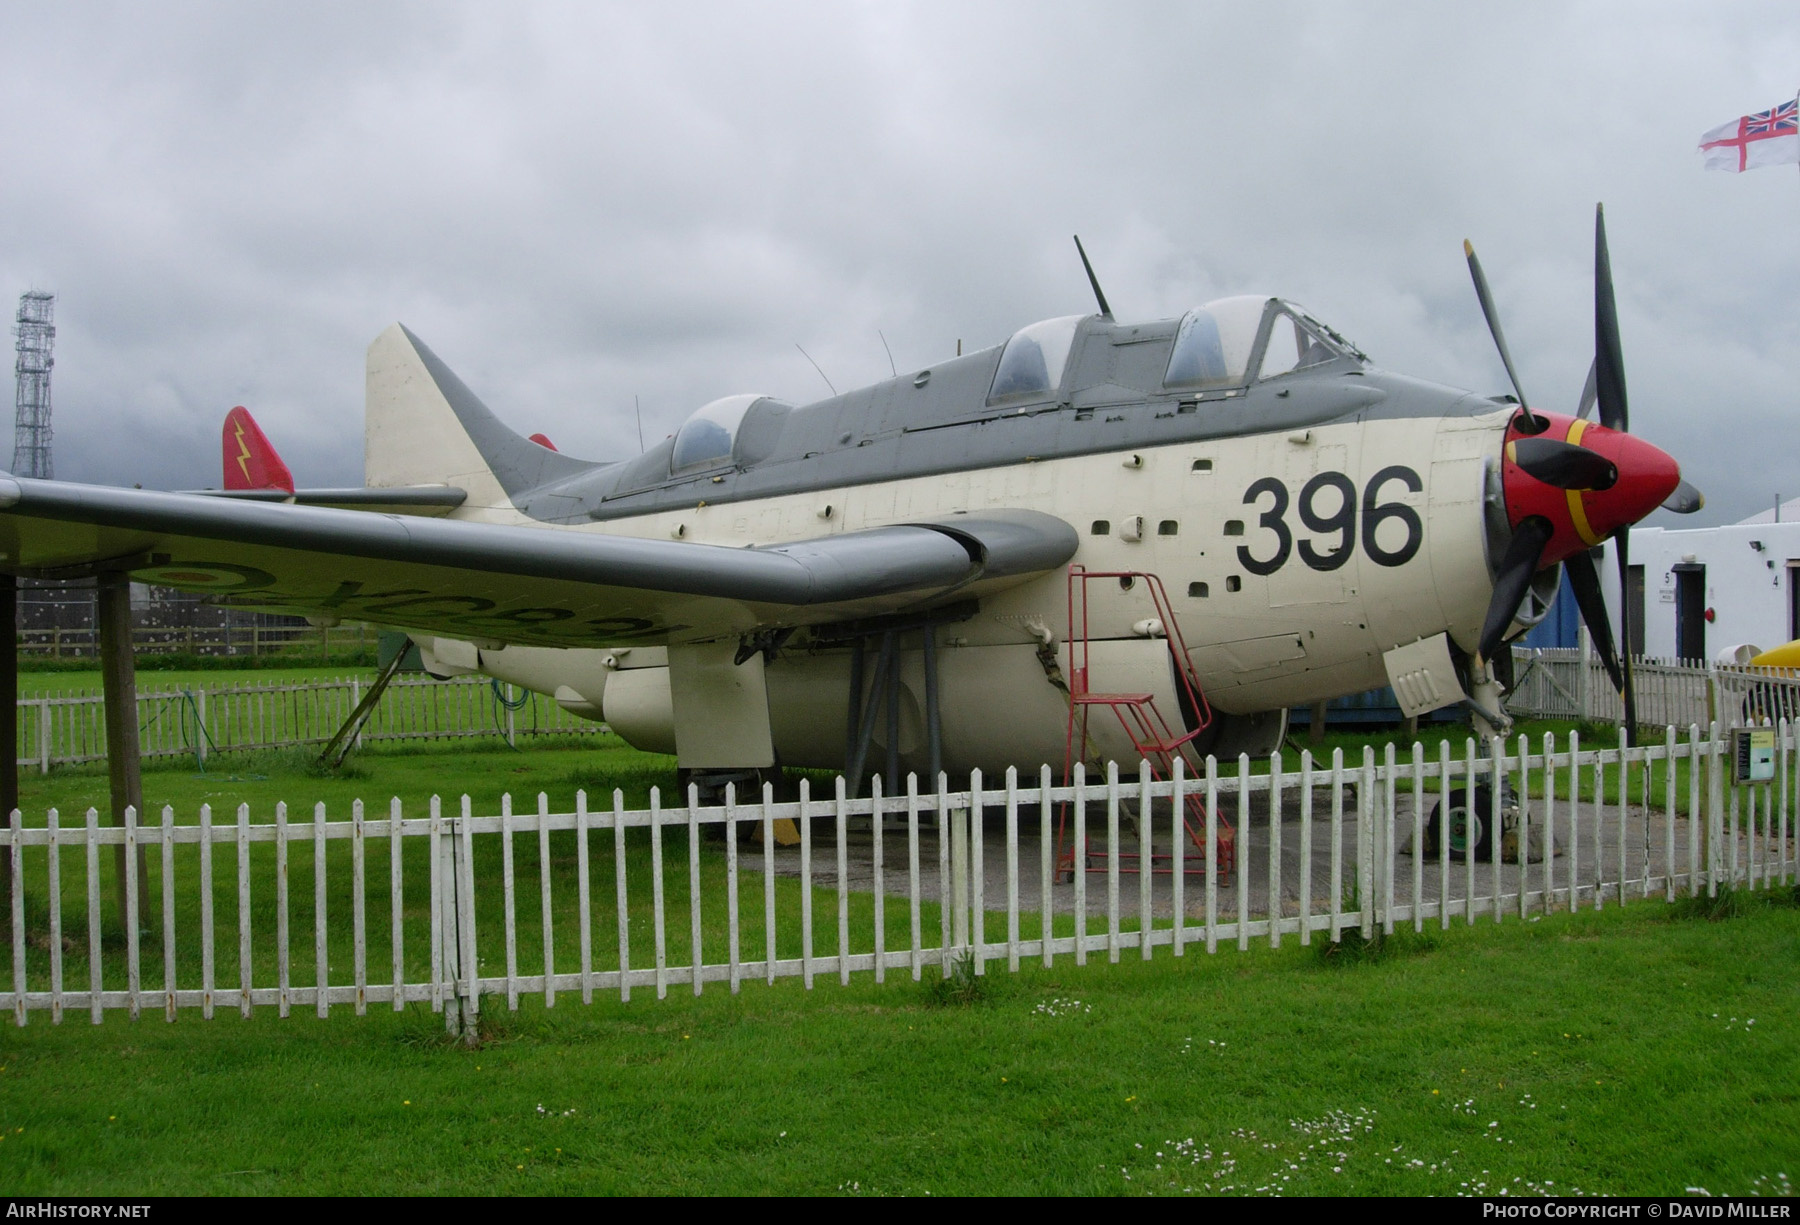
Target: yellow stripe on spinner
{"x": 1577, "y": 512}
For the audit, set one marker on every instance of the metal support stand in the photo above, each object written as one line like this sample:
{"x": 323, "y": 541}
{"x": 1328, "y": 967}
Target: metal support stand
{"x": 118, "y": 670}
{"x": 456, "y": 919}
{"x": 863, "y": 732}
{"x": 883, "y": 696}
{"x": 9, "y": 716}
{"x": 934, "y": 722}
{"x": 345, "y": 741}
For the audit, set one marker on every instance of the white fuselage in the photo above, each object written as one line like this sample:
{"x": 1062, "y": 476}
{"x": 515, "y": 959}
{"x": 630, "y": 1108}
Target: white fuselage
{"x": 1273, "y": 611}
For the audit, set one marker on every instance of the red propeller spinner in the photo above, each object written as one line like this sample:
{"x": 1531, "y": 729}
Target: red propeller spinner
{"x": 1626, "y": 479}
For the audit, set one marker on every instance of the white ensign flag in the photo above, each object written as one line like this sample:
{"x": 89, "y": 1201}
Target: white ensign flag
{"x": 1770, "y": 138}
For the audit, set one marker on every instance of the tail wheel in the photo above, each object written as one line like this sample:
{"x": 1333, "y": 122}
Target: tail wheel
{"x": 1463, "y": 824}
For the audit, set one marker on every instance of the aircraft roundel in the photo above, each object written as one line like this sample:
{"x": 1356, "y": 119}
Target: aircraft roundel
{"x": 205, "y": 576}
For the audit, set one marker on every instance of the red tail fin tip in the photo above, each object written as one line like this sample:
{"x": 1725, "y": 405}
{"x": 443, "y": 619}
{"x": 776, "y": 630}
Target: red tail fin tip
{"x": 250, "y": 459}
{"x": 543, "y": 442}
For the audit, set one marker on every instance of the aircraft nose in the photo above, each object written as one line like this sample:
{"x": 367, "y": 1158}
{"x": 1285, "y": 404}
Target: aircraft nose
{"x": 1647, "y": 475}
{"x": 1583, "y": 501}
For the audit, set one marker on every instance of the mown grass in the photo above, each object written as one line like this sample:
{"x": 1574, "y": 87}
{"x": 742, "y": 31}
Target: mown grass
{"x": 84, "y": 676}
{"x": 1638, "y": 1049}
{"x": 1633, "y": 1050}
{"x": 1612, "y": 1052}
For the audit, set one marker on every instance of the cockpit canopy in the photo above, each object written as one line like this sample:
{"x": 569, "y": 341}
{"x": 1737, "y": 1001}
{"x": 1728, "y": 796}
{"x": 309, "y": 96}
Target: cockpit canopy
{"x": 1031, "y": 366}
{"x": 1217, "y": 345}
{"x": 712, "y": 437}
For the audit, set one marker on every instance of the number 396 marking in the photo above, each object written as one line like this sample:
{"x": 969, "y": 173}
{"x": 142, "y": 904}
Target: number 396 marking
{"x": 1338, "y": 517}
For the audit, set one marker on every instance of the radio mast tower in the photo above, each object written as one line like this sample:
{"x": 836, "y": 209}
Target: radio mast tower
{"x": 36, "y": 332}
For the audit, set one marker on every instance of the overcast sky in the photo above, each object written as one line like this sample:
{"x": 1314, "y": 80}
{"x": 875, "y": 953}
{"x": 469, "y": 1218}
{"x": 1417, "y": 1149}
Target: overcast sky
{"x": 576, "y": 206}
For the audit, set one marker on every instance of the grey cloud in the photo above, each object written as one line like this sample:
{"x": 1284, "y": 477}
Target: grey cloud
{"x": 576, "y": 205}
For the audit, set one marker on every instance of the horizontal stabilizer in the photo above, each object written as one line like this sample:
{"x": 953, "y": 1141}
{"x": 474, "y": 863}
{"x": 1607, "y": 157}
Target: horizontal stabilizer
{"x": 431, "y": 500}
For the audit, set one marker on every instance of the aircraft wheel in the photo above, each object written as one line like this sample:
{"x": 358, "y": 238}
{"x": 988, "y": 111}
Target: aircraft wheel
{"x": 1456, "y": 826}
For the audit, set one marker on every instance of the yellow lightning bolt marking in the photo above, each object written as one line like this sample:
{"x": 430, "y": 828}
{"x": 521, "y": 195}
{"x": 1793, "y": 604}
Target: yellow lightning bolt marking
{"x": 243, "y": 458}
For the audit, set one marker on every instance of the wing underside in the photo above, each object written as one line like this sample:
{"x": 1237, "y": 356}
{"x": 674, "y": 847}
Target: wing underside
{"x": 513, "y": 584}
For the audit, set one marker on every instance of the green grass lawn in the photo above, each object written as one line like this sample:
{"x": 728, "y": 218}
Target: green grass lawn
{"x": 1621, "y": 1052}
{"x": 87, "y": 680}
{"x": 1625, "y": 1051}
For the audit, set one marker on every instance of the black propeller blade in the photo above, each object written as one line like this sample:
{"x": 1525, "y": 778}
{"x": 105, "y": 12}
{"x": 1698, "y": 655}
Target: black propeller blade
{"x": 1529, "y": 422}
{"x": 1564, "y": 464}
{"x": 1628, "y": 691}
{"x": 1685, "y": 500}
{"x": 1609, "y": 388}
{"x": 1609, "y": 360}
{"x": 1514, "y": 580}
{"x": 1588, "y": 393}
{"x": 1585, "y": 581}
{"x": 1568, "y": 466}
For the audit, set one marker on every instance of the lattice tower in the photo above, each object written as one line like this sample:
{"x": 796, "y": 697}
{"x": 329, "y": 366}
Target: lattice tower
{"x": 36, "y": 332}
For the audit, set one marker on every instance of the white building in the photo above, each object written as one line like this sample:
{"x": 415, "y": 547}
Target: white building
{"x": 1695, "y": 593}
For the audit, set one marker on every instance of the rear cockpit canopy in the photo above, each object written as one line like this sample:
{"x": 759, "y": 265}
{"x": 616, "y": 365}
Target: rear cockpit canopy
{"x": 715, "y": 434}
{"x": 1223, "y": 343}
{"x": 1032, "y": 364}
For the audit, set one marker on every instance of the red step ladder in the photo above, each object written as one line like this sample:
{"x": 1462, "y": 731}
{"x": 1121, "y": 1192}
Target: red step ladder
{"x": 1151, "y": 736}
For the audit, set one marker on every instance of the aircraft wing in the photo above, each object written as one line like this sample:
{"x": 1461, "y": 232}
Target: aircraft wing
{"x": 541, "y": 586}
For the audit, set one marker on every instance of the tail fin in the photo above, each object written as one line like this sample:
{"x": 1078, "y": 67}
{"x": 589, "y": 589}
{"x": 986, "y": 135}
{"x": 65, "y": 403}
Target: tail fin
{"x": 250, "y": 459}
{"x": 423, "y": 426}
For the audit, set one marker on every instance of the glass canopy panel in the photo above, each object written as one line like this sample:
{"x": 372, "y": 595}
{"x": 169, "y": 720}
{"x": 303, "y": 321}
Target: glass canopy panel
{"x": 706, "y": 438}
{"x": 1212, "y": 346}
{"x": 1293, "y": 345}
{"x": 1031, "y": 365}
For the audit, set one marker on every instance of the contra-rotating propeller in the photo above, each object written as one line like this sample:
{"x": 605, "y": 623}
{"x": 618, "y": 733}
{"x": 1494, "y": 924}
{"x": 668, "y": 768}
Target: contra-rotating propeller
{"x": 1569, "y": 484}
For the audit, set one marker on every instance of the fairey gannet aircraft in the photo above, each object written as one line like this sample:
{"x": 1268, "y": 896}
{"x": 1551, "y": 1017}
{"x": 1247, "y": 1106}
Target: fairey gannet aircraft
{"x": 885, "y": 576}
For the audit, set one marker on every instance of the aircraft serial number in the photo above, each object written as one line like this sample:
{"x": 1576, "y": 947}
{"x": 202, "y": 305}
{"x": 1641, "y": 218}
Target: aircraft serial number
{"x": 1339, "y": 516}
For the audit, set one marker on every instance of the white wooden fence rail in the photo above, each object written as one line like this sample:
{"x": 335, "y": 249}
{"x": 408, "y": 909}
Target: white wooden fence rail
{"x": 426, "y": 909}
{"x": 1569, "y": 683}
{"x": 193, "y": 721}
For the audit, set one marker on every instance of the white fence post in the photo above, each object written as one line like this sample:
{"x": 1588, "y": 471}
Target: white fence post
{"x": 959, "y": 877}
{"x": 1365, "y": 844}
{"x": 1715, "y": 803}
{"x": 1387, "y": 892}
{"x": 443, "y": 892}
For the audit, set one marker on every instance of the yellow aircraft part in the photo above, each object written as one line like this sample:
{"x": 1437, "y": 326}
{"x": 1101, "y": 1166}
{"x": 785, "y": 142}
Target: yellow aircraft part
{"x": 1787, "y": 655}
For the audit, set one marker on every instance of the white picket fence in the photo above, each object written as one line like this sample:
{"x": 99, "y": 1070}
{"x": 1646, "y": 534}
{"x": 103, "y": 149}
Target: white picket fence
{"x": 198, "y": 721}
{"x": 1570, "y": 683}
{"x": 936, "y": 878}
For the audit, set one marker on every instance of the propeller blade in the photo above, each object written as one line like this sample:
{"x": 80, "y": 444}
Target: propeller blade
{"x": 1564, "y": 464}
{"x": 1609, "y": 359}
{"x": 1532, "y": 424}
{"x": 1584, "y": 580}
{"x": 1588, "y": 392}
{"x": 1514, "y": 580}
{"x": 1685, "y": 500}
{"x": 1622, "y": 541}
